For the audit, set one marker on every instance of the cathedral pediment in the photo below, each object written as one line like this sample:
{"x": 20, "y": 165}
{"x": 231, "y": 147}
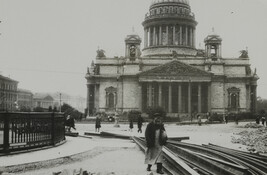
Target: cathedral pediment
{"x": 175, "y": 69}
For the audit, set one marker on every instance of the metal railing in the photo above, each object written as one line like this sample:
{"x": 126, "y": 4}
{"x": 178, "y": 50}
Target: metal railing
{"x": 20, "y": 131}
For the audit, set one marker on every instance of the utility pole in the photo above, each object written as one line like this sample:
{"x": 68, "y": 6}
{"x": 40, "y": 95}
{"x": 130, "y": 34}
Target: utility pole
{"x": 59, "y": 102}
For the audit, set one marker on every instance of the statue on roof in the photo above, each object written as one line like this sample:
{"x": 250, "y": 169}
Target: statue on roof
{"x": 174, "y": 54}
{"x": 92, "y": 64}
{"x": 244, "y": 54}
{"x": 201, "y": 53}
{"x": 100, "y": 53}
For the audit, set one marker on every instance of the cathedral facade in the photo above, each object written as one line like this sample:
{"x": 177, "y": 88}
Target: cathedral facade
{"x": 170, "y": 72}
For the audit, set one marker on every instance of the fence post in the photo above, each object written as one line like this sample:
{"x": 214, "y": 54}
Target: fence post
{"x": 6, "y": 132}
{"x": 53, "y": 128}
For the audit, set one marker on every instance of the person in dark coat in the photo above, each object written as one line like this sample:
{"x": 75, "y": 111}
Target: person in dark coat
{"x": 226, "y": 118}
{"x": 199, "y": 120}
{"x": 156, "y": 137}
{"x": 131, "y": 123}
{"x": 70, "y": 123}
{"x": 258, "y": 119}
{"x": 140, "y": 121}
{"x": 97, "y": 123}
{"x": 236, "y": 119}
{"x": 263, "y": 120}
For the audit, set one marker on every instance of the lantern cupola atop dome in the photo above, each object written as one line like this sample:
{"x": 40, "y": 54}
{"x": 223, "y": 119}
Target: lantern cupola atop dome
{"x": 169, "y": 27}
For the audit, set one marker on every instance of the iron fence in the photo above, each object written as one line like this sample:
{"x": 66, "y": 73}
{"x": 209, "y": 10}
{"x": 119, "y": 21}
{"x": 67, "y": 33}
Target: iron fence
{"x": 19, "y": 131}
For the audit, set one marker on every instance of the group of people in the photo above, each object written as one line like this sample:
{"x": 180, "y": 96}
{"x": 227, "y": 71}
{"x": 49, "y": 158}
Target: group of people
{"x": 70, "y": 123}
{"x": 261, "y": 119}
{"x": 140, "y": 122}
{"x": 155, "y": 136}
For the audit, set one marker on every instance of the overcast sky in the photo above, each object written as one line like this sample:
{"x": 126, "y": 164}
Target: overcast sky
{"x": 47, "y": 45}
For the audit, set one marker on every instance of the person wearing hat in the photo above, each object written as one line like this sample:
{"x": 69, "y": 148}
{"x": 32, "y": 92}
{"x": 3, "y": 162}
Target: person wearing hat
{"x": 97, "y": 122}
{"x": 156, "y": 137}
{"x": 70, "y": 123}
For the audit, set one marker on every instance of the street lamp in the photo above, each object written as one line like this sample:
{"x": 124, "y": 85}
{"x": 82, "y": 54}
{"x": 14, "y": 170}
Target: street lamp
{"x": 59, "y": 102}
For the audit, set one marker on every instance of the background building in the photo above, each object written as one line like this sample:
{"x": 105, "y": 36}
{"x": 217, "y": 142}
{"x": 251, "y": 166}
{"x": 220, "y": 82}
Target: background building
{"x": 77, "y": 102}
{"x": 8, "y": 94}
{"x": 25, "y": 100}
{"x": 43, "y": 100}
{"x": 171, "y": 72}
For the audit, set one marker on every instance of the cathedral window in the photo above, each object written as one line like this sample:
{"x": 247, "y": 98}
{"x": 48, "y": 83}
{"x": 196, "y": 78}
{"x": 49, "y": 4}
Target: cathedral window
{"x": 111, "y": 100}
{"x": 233, "y": 98}
{"x": 111, "y": 96}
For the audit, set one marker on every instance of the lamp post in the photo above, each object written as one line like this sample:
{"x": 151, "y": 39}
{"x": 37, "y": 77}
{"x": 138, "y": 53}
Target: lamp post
{"x": 59, "y": 102}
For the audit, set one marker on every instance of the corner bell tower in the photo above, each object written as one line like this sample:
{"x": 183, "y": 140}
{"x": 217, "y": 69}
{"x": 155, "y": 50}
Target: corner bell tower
{"x": 132, "y": 47}
{"x": 213, "y": 47}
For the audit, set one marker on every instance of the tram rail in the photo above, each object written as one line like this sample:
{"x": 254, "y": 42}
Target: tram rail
{"x": 173, "y": 165}
{"x": 184, "y": 158}
{"x": 209, "y": 159}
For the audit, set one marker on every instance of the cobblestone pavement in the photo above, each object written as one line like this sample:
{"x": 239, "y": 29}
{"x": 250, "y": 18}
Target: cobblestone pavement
{"x": 105, "y": 156}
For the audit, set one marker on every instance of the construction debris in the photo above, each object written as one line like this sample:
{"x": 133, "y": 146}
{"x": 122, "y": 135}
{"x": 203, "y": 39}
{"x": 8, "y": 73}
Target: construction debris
{"x": 255, "y": 140}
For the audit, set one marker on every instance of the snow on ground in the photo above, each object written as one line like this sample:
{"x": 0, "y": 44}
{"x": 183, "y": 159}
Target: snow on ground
{"x": 104, "y": 156}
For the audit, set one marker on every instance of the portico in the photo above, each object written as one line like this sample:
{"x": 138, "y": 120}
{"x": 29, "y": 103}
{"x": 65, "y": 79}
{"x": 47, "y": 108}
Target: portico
{"x": 176, "y": 87}
{"x": 177, "y": 96}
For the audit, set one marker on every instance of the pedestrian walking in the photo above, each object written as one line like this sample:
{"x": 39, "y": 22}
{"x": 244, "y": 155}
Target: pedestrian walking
{"x": 258, "y": 119}
{"x": 236, "y": 119}
{"x": 156, "y": 137}
{"x": 131, "y": 124}
{"x": 70, "y": 123}
{"x": 97, "y": 122}
{"x": 199, "y": 120}
{"x": 226, "y": 118}
{"x": 263, "y": 120}
{"x": 140, "y": 121}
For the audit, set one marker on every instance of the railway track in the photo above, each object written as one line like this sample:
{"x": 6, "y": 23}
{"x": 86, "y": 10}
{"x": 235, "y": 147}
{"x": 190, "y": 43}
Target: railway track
{"x": 173, "y": 165}
{"x": 183, "y": 158}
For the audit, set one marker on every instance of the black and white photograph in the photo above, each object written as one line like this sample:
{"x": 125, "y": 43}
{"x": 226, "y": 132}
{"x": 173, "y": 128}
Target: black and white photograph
{"x": 133, "y": 87}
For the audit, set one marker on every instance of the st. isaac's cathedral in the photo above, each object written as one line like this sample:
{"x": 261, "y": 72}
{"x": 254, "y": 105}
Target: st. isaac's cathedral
{"x": 170, "y": 72}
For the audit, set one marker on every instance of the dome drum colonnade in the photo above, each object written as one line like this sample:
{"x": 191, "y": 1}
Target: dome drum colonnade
{"x": 169, "y": 23}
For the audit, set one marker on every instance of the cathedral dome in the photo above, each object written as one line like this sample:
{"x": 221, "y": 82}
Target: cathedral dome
{"x": 169, "y": 28}
{"x": 175, "y": 1}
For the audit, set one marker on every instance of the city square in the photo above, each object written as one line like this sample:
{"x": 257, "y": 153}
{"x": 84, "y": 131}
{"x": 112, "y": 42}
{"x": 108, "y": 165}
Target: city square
{"x": 138, "y": 87}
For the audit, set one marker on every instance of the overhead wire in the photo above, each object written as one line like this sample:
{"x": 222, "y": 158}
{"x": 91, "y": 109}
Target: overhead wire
{"x": 39, "y": 70}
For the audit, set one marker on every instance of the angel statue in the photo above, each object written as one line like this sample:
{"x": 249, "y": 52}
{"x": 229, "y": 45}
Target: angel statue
{"x": 100, "y": 53}
{"x": 244, "y": 54}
